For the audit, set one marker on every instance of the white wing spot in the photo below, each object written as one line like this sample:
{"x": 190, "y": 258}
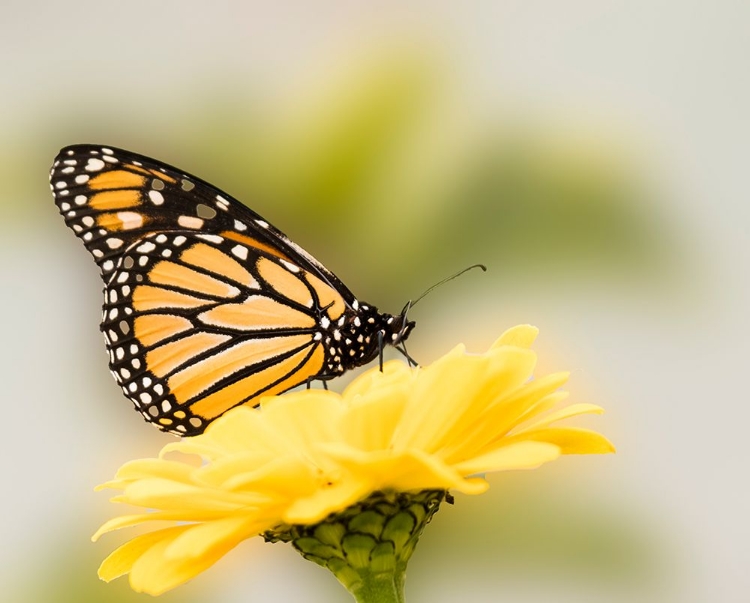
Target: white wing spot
{"x": 179, "y": 240}
{"x": 94, "y": 164}
{"x": 65, "y": 206}
{"x": 88, "y": 221}
{"x": 239, "y": 225}
{"x": 146, "y": 247}
{"x": 289, "y": 266}
{"x": 61, "y": 184}
{"x": 107, "y": 151}
{"x": 156, "y": 197}
{"x": 240, "y": 251}
{"x": 130, "y": 219}
{"x": 211, "y": 238}
{"x": 190, "y": 222}
{"x": 68, "y": 170}
{"x": 80, "y": 199}
{"x": 82, "y": 179}
{"x": 162, "y": 238}
{"x": 114, "y": 243}
{"x": 262, "y": 223}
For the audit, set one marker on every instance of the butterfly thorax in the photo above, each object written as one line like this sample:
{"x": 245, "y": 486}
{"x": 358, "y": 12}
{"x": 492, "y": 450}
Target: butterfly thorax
{"x": 357, "y": 337}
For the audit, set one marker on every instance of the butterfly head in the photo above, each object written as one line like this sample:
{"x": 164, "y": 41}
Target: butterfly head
{"x": 398, "y": 328}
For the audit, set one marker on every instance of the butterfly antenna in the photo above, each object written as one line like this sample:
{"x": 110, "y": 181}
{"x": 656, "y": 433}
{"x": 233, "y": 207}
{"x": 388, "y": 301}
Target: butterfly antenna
{"x": 411, "y": 304}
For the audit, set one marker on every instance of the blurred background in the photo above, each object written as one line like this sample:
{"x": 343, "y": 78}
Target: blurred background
{"x": 592, "y": 153}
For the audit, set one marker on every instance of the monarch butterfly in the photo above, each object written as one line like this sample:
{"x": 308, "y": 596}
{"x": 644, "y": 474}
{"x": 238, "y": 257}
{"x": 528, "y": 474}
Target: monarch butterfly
{"x": 206, "y": 305}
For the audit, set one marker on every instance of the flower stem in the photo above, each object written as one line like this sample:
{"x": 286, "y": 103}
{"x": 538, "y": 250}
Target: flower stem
{"x": 380, "y": 588}
{"x": 367, "y": 545}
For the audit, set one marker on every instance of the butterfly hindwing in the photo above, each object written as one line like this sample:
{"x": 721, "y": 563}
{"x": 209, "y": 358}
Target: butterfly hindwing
{"x": 196, "y": 324}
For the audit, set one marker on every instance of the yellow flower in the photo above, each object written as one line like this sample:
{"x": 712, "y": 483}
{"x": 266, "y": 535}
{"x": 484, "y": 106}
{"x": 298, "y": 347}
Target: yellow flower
{"x": 304, "y": 457}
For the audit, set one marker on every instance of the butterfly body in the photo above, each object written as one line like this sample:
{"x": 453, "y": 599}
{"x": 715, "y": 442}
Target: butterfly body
{"x": 206, "y": 305}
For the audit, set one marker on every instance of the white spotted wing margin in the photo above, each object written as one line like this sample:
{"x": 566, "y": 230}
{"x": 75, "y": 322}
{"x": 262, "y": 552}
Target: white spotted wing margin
{"x": 196, "y": 324}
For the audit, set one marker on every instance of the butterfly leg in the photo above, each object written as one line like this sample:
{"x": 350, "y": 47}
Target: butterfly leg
{"x": 380, "y": 349}
{"x": 323, "y": 379}
{"x": 409, "y": 359}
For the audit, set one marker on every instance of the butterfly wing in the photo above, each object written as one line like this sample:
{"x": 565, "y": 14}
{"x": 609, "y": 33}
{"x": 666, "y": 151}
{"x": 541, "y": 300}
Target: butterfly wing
{"x": 196, "y": 324}
{"x": 111, "y": 198}
{"x": 207, "y": 306}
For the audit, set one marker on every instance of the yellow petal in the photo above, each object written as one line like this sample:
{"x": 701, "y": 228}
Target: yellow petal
{"x": 507, "y": 371}
{"x": 154, "y": 572}
{"x": 287, "y": 476}
{"x": 522, "y": 336}
{"x": 319, "y": 504}
{"x": 544, "y": 404}
{"x": 121, "y": 560}
{"x": 394, "y": 373}
{"x": 371, "y": 420}
{"x": 521, "y": 455}
{"x": 564, "y": 413}
{"x": 164, "y": 494}
{"x": 443, "y": 391}
{"x": 303, "y": 417}
{"x": 201, "y": 538}
{"x": 148, "y": 468}
{"x": 125, "y": 521}
{"x": 501, "y": 417}
{"x": 401, "y": 471}
{"x": 571, "y": 440}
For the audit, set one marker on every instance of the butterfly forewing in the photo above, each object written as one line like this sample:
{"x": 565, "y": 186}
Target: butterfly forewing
{"x": 111, "y": 198}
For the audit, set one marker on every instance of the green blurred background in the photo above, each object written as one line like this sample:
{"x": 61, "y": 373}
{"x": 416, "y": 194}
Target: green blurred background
{"x": 592, "y": 154}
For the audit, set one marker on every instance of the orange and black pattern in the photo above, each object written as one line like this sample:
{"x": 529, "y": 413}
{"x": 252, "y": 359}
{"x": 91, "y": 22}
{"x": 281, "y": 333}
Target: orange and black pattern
{"x": 206, "y": 305}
